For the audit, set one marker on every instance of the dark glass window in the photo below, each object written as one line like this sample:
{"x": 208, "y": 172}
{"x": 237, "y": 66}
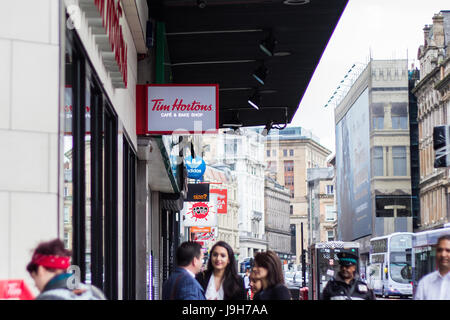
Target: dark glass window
{"x": 129, "y": 222}
{"x": 393, "y": 206}
{"x": 90, "y": 172}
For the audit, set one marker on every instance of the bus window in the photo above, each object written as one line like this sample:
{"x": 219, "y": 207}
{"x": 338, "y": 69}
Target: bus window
{"x": 400, "y": 267}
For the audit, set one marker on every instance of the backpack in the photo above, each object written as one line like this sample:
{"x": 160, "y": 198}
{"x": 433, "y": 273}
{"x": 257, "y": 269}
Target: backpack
{"x": 85, "y": 292}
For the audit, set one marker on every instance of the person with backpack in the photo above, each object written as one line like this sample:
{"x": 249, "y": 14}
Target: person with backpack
{"x": 48, "y": 268}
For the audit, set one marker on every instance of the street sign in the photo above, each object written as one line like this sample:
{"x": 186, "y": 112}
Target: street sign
{"x": 198, "y": 192}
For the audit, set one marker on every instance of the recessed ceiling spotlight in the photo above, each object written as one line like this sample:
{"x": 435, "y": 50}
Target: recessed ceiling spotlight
{"x": 201, "y": 4}
{"x": 268, "y": 45}
{"x": 267, "y": 91}
{"x": 260, "y": 74}
{"x": 296, "y": 2}
{"x": 255, "y": 100}
{"x": 282, "y": 54}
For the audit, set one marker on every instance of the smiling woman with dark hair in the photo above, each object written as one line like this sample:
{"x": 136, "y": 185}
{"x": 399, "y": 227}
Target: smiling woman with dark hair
{"x": 268, "y": 269}
{"x": 221, "y": 280}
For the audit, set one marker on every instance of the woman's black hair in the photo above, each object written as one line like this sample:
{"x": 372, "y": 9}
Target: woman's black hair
{"x": 232, "y": 281}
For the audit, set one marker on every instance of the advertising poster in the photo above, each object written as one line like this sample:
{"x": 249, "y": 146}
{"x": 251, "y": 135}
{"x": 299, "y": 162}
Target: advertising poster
{"x": 354, "y": 170}
{"x": 222, "y": 198}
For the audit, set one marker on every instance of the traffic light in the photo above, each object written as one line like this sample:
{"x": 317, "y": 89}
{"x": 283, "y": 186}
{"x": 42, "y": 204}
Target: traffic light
{"x": 441, "y": 135}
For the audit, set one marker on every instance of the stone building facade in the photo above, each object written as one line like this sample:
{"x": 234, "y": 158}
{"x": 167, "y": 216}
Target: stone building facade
{"x": 433, "y": 99}
{"x": 277, "y": 225}
{"x": 289, "y": 154}
{"x": 321, "y": 206}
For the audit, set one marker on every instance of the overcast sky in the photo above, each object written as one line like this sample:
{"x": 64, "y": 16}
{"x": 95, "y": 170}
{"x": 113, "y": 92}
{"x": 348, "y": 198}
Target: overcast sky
{"x": 386, "y": 28}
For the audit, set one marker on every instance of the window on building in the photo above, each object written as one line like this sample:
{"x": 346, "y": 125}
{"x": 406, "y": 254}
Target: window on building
{"x": 393, "y": 206}
{"x": 268, "y": 153}
{"x": 291, "y": 152}
{"x": 400, "y": 122}
{"x": 378, "y": 123}
{"x": 288, "y": 166}
{"x": 91, "y": 172}
{"x": 378, "y": 168}
{"x": 272, "y": 166}
{"x": 291, "y": 209}
{"x": 285, "y": 153}
{"x": 289, "y": 180}
{"x": 399, "y": 160}
{"x": 330, "y": 189}
{"x": 399, "y": 113}
{"x": 330, "y": 235}
{"x": 330, "y": 213}
{"x": 66, "y": 215}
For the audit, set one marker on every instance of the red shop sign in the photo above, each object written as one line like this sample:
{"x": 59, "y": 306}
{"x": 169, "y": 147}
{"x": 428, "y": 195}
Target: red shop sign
{"x": 14, "y": 290}
{"x": 222, "y": 195}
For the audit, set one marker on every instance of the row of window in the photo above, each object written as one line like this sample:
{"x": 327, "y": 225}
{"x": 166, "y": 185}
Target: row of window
{"x": 91, "y": 180}
{"x": 285, "y": 152}
{"x": 398, "y": 122}
{"x": 399, "y": 158}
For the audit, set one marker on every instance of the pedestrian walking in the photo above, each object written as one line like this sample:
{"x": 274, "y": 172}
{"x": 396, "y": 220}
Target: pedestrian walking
{"x": 255, "y": 285}
{"x": 347, "y": 285}
{"x": 221, "y": 280}
{"x": 48, "y": 268}
{"x": 181, "y": 284}
{"x": 436, "y": 285}
{"x": 269, "y": 271}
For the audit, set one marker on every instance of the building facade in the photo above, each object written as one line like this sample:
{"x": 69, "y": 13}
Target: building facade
{"x": 373, "y": 182}
{"x": 321, "y": 205}
{"x": 289, "y": 153}
{"x": 243, "y": 152}
{"x": 276, "y": 217}
{"x": 433, "y": 98}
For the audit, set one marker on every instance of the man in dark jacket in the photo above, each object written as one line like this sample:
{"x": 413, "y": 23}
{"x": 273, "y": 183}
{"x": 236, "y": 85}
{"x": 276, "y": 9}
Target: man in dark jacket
{"x": 181, "y": 284}
{"x": 346, "y": 285}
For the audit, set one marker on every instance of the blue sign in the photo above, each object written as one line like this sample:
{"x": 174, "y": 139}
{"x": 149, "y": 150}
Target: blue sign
{"x": 195, "y": 167}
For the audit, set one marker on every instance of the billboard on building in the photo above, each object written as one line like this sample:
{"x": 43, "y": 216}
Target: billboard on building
{"x": 354, "y": 171}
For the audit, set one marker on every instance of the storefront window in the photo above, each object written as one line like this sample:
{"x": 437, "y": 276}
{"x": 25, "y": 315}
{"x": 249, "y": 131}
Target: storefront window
{"x": 68, "y": 146}
{"x": 90, "y": 173}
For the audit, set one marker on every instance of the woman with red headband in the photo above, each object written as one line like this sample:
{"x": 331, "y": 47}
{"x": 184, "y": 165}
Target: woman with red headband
{"x": 48, "y": 268}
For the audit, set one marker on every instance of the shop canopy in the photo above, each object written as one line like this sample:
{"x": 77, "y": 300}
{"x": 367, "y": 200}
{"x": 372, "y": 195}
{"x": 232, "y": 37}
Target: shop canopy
{"x": 265, "y": 51}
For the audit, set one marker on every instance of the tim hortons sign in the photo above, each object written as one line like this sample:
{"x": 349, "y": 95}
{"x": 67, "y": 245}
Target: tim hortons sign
{"x": 104, "y": 18}
{"x": 181, "y": 108}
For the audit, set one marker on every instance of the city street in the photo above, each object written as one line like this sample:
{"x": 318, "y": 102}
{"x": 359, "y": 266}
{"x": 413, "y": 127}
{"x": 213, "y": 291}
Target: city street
{"x": 223, "y": 145}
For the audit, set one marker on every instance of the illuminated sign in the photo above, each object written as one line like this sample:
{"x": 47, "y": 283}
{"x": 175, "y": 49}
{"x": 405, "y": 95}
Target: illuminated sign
{"x": 181, "y": 108}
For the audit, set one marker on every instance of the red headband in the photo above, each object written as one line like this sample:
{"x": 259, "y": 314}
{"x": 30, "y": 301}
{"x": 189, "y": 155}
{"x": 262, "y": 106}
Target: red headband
{"x": 55, "y": 262}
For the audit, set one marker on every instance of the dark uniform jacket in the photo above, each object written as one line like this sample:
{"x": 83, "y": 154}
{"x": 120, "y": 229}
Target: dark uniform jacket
{"x": 337, "y": 289}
